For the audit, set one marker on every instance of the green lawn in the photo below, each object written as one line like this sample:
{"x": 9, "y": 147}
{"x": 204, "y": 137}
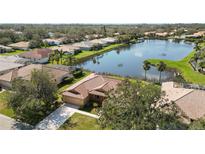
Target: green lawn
{"x": 184, "y": 68}
{"x": 80, "y": 122}
{"x": 87, "y": 54}
{"x": 16, "y": 52}
{"x": 4, "y": 109}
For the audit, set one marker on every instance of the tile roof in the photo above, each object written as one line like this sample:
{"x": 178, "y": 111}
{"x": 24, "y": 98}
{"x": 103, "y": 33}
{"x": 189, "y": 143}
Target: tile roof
{"x": 193, "y": 104}
{"x": 36, "y": 54}
{"x": 8, "y": 65}
{"x": 21, "y": 44}
{"x": 94, "y": 84}
{"x": 25, "y": 72}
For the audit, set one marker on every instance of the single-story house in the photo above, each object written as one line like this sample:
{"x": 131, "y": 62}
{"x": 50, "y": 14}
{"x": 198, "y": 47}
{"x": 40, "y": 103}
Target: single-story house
{"x": 67, "y": 48}
{"x": 84, "y": 45}
{"x": 58, "y": 75}
{"x": 53, "y": 41}
{"x": 92, "y": 88}
{"x": 4, "y": 49}
{"x": 40, "y": 56}
{"x": 8, "y": 66}
{"x": 109, "y": 40}
{"x": 20, "y": 45}
{"x": 99, "y": 41}
{"x": 190, "y": 101}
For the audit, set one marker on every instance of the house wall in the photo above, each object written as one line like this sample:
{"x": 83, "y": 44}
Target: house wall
{"x": 40, "y": 61}
{"x": 74, "y": 100}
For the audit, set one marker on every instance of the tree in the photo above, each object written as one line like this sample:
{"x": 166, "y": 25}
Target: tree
{"x": 51, "y": 58}
{"x": 138, "y": 106}
{"x": 33, "y": 100}
{"x": 202, "y": 65}
{"x": 197, "y": 47}
{"x": 57, "y": 58}
{"x": 61, "y": 53}
{"x": 161, "y": 67}
{"x": 198, "y": 124}
{"x": 70, "y": 59}
{"x": 146, "y": 66}
{"x": 36, "y": 43}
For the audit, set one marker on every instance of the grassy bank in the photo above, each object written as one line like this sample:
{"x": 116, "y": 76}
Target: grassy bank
{"x": 88, "y": 54}
{"x": 184, "y": 67}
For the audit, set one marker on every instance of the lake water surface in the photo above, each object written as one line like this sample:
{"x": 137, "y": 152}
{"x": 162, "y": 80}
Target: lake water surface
{"x": 128, "y": 61}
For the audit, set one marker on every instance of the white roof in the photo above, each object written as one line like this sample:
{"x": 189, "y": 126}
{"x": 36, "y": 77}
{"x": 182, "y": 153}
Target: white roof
{"x": 13, "y": 59}
{"x": 5, "y": 47}
{"x": 8, "y": 65}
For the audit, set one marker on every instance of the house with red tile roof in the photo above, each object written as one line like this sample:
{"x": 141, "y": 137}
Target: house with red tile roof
{"x": 92, "y": 88}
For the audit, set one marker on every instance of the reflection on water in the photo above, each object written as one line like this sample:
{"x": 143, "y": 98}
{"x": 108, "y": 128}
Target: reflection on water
{"x": 128, "y": 61}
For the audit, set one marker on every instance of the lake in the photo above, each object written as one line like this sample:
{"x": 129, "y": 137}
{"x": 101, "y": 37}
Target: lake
{"x": 128, "y": 61}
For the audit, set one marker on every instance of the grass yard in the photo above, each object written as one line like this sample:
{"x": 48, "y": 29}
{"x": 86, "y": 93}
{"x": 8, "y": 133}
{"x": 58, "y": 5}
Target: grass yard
{"x": 16, "y": 52}
{"x": 80, "y": 122}
{"x": 184, "y": 68}
{"x": 3, "y": 105}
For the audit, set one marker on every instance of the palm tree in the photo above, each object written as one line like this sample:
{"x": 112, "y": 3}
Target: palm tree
{"x": 197, "y": 47}
{"x": 202, "y": 65}
{"x": 161, "y": 67}
{"x": 61, "y": 53}
{"x": 70, "y": 59}
{"x": 51, "y": 58}
{"x": 146, "y": 66}
{"x": 57, "y": 58}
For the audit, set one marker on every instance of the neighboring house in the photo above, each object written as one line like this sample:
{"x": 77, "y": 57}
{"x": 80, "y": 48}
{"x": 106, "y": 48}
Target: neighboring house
{"x": 40, "y": 56}
{"x": 20, "y": 45}
{"x": 84, "y": 45}
{"x": 99, "y": 41}
{"x": 4, "y": 49}
{"x": 8, "y": 66}
{"x": 109, "y": 40}
{"x": 92, "y": 88}
{"x": 14, "y": 59}
{"x": 190, "y": 101}
{"x": 64, "y": 67}
{"x": 52, "y": 41}
{"x": 70, "y": 49}
{"x": 58, "y": 75}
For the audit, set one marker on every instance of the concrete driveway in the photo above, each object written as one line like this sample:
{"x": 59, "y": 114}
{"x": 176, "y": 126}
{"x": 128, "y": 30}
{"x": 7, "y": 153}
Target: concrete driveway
{"x": 59, "y": 117}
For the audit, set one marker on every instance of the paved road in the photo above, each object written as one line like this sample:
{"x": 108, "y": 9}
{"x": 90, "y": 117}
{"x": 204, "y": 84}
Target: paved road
{"x": 7, "y": 123}
{"x": 59, "y": 116}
